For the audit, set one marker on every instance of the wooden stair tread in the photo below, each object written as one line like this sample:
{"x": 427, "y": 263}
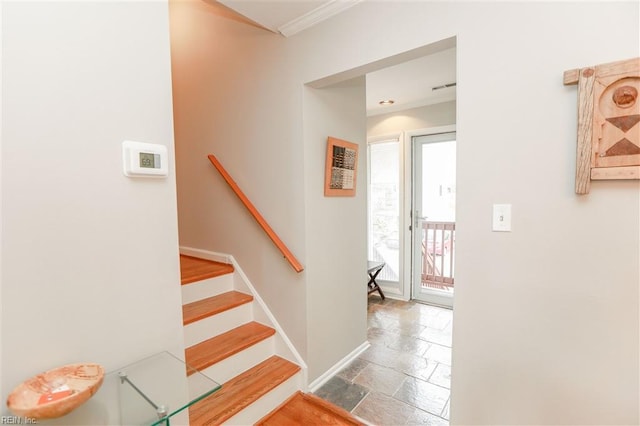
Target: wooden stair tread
{"x": 204, "y": 308}
{"x": 241, "y": 391}
{"x": 308, "y": 410}
{"x": 213, "y": 350}
{"x": 194, "y": 269}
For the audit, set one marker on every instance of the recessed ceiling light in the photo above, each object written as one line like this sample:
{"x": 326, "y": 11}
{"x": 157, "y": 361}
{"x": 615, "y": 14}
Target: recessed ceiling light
{"x": 387, "y": 102}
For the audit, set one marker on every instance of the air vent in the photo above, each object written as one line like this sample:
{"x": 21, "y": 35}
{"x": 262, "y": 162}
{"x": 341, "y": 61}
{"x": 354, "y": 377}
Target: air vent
{"x": 444, "y": 86}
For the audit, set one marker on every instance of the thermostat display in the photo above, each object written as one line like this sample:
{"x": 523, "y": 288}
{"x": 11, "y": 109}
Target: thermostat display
{"x": 149, "y": 160}
{"x": 144, "y": 159}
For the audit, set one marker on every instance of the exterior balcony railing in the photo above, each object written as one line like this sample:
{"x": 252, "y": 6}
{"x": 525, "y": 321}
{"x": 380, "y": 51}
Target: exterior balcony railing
{"x": 438, "y": 260}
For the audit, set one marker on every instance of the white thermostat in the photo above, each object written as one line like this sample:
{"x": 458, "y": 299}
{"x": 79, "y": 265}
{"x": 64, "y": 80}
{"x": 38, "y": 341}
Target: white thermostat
{"x": 142, "y": 159}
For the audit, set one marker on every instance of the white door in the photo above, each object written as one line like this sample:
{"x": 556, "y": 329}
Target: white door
{"x": 433, "y": 217}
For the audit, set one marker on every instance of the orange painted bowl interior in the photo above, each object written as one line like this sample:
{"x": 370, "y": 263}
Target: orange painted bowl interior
{"x": 56, "y": 392}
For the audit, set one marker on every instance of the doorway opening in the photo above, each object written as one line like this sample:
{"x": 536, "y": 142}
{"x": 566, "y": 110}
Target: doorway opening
{"x": 411, "y": 150}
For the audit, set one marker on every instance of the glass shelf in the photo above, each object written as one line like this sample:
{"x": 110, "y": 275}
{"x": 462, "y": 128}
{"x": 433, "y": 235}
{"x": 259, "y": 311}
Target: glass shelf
{"x": 158, "y": 388}
{"x": 154, "y": 391}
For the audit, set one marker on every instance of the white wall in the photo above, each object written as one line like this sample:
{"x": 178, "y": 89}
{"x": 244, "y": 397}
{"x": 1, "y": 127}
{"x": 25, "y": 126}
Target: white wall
{"x": 539, "y": 312}
{"x": 442, "y": 114}
{"x": 546, "y": 317}
{"x": 1, "y": 116}
{"x": 335, "y": 229}
{"x": 90, "y": 269}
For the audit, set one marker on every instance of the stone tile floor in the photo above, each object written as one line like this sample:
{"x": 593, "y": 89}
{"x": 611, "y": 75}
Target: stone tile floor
{"x": 404, "y": 377}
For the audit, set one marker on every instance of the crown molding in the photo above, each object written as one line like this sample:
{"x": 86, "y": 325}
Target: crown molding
{"x": 316, "y": 16}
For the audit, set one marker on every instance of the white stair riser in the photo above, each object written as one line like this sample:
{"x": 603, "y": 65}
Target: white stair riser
{"x": 214, "y": 325}
{"x": 268, "y": 402}
{"x": 228, "y": 368}
{"x": 206, "y": 288}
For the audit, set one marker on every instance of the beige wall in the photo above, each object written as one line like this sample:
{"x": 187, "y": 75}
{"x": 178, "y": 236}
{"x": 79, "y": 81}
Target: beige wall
{"x": 89, "y": 256}
{"x": 336, "y": 229}
{"x": 442, "y": 114}
{"x": 239, "y": 94}
{"x": 235, "y": 96}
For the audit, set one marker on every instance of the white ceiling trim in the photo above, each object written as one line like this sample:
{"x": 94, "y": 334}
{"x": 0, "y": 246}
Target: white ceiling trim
{"x": 316, "y": 16}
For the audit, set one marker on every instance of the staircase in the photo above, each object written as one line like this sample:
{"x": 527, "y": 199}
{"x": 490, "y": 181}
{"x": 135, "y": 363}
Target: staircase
{"x": 225, "y": 342}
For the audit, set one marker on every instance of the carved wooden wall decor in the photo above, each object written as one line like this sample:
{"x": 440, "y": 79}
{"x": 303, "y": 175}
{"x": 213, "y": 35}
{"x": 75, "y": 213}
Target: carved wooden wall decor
{"x": 608, "y": 116}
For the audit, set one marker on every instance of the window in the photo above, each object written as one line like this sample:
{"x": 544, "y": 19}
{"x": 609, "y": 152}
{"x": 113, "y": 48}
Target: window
{"x": 384, "y": 206}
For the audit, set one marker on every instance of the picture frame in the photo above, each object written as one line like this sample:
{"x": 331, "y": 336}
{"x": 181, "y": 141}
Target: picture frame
{"x": 341, "y": 168}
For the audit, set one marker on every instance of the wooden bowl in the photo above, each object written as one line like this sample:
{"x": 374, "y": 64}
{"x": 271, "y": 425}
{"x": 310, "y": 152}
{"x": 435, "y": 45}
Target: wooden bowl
{"x": 56, "y": 392}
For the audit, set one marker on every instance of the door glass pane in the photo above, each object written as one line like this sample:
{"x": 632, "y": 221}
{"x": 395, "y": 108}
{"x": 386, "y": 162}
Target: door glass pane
{"x": 434, "y": 209}
{"x": 384, "y": 207}
{"x": 439, "y": 181}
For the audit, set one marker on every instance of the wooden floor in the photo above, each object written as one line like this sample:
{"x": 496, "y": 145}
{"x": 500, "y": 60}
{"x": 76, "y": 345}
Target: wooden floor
{"x": 308, "y": 410}
{"x": 193, "y": 269}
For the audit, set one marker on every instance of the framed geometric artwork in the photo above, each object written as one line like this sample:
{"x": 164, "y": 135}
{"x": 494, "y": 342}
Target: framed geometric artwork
{"x": 341, "y": 168}
{"x": 608, "y": 145}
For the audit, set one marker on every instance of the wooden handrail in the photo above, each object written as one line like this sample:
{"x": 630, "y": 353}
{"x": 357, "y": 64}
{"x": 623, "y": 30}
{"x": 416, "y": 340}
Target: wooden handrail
{"x": 257, "y": 216}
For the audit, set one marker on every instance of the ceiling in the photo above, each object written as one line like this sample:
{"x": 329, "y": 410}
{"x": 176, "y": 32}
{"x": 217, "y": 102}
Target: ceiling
{"x": 409, "y": 84}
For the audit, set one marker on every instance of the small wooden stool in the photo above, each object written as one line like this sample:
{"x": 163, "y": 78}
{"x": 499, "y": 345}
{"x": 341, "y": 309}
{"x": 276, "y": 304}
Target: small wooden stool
{"x": 373, "y": 269}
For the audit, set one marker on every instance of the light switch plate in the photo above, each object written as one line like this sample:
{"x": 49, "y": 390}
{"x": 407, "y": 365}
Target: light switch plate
{"x": 502, "y": 217}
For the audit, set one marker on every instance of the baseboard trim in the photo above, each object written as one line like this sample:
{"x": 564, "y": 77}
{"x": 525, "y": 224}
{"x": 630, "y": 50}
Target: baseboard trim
{"x": 324, "y": 378}
{"x": 204, "y": 254}
{"x": 256, "y": 296}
